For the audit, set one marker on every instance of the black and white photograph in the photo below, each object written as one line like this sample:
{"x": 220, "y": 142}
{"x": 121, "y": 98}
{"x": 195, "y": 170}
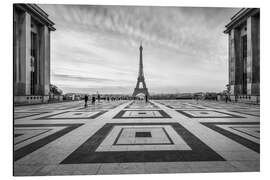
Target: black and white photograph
{"x": 134, "y": 89}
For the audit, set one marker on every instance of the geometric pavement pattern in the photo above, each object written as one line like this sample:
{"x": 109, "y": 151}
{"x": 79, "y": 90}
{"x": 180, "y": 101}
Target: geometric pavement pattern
{"x": 74, "y": 115}
{"x": 192, "y": 151}
{"x": 141, "y": 114}
{"x": 30, "y": 137}
{"x": 207, "y": 114}
{"x": 247, "y": 134}
{"x": 161, "y": 136}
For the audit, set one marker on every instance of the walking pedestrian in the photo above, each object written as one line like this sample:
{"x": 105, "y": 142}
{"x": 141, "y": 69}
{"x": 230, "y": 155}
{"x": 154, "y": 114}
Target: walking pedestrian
{"x": 85, "y": 100}
{"x": 93, "y": 99}
{"x": 98, "y": 97}
{"x": 146, "y": 98}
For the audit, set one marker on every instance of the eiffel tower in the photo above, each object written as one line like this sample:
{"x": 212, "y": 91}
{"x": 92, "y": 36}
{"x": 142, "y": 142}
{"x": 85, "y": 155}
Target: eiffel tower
{"x": 140, "y": 79}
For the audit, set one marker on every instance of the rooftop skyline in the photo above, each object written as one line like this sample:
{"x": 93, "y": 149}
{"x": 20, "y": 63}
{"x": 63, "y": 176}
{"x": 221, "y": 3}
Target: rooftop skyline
{"x": 96, "y": 48}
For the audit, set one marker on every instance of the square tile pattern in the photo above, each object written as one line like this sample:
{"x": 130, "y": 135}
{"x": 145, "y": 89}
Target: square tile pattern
{"x": 29, "y": 134}
{"x": 116, "y": 143}
{"x": 245, "y": 133}
{"x": 207, "y": 114}
{"x": 19, "y": 115}
{"x": 248, "y": 112}
{"x": 30, "y": 137}
{"x": 183, "y": 106}
{"x": 123, "y": 138}
{"x": 74, "y": 115}
{"x": 142, "y": 135}
{"x": 141, "y": 105}
{"x": 142, "y": 114}
{"x": 98, "y": 107}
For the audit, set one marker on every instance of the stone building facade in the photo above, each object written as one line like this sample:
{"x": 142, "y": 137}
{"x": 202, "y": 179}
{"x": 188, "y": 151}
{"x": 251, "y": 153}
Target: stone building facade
{"x": 31, "y": 54}
{"x": 244, "y": 55}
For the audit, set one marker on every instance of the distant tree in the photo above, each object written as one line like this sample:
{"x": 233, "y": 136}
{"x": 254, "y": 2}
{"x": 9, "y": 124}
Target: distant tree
{"x": 55, "y": 90}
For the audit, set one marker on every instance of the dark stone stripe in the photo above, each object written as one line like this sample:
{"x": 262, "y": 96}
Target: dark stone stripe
{"x": 241, "y": 140}
{"x": 50, "y": 117}
{"x": 34, "y": 135}
{"x": 246, "y": 113}
{"x": 18, "y": 154}
{"x": 34, "y": 114}
{"x": 191, "y": 116}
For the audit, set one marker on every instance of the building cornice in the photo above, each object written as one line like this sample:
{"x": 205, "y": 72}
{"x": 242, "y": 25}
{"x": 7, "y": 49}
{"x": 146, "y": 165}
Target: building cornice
{"x": 240, "y": 17}
{"x": 38, "y": 13}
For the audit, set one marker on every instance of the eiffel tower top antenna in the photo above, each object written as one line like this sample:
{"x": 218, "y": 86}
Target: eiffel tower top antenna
{"x": 141, "y": 61}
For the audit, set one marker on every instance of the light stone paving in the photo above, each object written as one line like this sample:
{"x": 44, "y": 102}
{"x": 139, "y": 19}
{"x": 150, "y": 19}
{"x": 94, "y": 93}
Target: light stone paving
{"x": 61, "y": 139}
{"x": 141, "y": 114}
{"x": 74, "y": 114}
{"x": 208, "y": 114}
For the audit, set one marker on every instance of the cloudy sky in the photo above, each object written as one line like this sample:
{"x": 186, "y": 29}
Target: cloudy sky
{"x": 96, "y": 48}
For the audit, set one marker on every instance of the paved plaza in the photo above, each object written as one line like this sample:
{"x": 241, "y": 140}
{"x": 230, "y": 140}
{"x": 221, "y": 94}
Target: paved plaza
{"x": 134, "y": 137}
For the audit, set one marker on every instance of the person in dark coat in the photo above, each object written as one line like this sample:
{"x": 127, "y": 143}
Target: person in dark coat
{"x": 93, "y": 99}
{"x": 98, "y": 97}
{"x": 146, "y": 98}
{"x": 85, "y": 100}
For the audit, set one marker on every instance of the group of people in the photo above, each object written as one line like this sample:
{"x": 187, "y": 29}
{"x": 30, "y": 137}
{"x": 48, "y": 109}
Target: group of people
{"x": 146, "y": 99}
{"x": 98, "y": 98}
{"x": 93, "y": 101}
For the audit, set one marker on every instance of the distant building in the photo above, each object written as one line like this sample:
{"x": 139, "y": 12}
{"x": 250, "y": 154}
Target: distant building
{"x": 70, "y": 96}
{"x": 244, "y": 55}
{"x": 31, "y": 53}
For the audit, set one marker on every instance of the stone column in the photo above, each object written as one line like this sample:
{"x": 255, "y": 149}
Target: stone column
{"x": 45, "y": 61}
{"x": 234, "y": 61}
{"x": 25, "y": 50}
{"x": 231, "y": 63}
{"x": 253, "y": 56}
{"x": 16, "y": 38}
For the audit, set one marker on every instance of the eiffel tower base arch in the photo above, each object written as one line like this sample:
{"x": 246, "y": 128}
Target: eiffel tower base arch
{"x": 140, "y": 91}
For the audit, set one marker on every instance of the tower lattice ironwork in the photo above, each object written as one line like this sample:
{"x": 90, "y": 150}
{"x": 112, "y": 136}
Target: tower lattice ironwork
{"x": 140, "y": 79}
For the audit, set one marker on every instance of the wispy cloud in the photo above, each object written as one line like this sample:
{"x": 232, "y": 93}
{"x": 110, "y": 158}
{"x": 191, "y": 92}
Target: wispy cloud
{"x": 183, "y": 47}
{"x": 80, "y": 78}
